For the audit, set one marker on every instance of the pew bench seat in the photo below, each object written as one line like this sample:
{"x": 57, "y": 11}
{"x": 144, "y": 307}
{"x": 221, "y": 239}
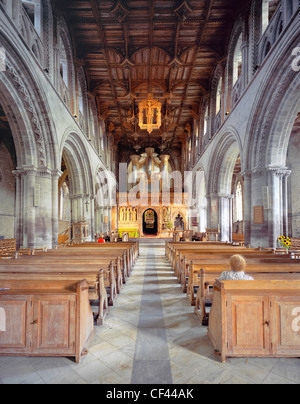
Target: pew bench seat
{"x": 255, "y": 319}
{"x": 45, "y": 318}
{"x": 204, "y": 291}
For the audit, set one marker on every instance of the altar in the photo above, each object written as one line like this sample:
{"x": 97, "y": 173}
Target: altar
{"x": 151, "y": 207}
{"x": 158, "y": 221}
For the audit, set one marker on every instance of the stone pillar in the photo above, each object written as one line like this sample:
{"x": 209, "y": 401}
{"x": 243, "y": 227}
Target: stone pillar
{"x": 98, "y": 226}
{"x": 225, "y": 217}
{"x": 259, "y": 231}
{"x": 92, "y": 217}
{"x": 247, "y": 206}
{"x": 213, "y": 211}
{"x": 106, "y": 218}
{"x": 36, "y": 207}
{"x": 279, "y": 190}
{"x": 276, "y": 216}
{"x": 19, "y": 210}
{"x": 56, "y": 174}
{"x": 285, "y": 194}
{"x": 29, "y": 185}
{"x": 77, "y": 207}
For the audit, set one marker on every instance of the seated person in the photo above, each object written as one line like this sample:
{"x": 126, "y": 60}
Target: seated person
{"x": 101, "y": 240}
{"x": 237, "y": 273}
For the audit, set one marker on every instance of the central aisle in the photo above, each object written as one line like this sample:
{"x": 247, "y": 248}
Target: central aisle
{"x": 151, "y": 360}
{"x": 155, "y": 315}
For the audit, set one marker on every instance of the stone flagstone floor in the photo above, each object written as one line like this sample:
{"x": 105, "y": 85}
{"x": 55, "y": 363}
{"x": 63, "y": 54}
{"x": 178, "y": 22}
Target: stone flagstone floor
{"x": 151, "y": 336}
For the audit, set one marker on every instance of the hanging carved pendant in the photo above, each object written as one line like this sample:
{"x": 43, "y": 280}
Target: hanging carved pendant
{"x": 150, "y": 114}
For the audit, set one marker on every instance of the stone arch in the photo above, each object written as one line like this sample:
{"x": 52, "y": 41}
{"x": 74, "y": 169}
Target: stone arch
{"x": 268, "y": 133}
{"x": 220, "y": 199}
{"x": 156, "y": 227}
{"x": 77, "y": 158}
{"x": 75, "y": 154}
{"x": 26, "y": 107}
{"x": 222, "y": 162}
{"x": 19, "y": 124}
{"x": 281, "y": 129}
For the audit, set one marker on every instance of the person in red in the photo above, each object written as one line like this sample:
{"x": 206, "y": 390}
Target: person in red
{"x": 101, "y": 240}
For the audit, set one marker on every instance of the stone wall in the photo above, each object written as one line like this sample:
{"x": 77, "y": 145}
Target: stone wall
{"x": 7, "y": 194}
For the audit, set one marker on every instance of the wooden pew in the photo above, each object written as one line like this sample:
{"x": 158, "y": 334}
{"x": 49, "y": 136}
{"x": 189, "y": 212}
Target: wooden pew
{"x": 238, "y": 238}
{"x": 63, "y": 239}
{"x": 43, "y": 318}
{"x": 201, "y": 281}
{"x": 132, "y": 247}
{"x": 128, "y": 253}
{"x": 175, "y": 251}
{"x": 255, "y": 319}
{"x": 204, "y": 296}
{"x": 77, "y": 263}
{"x": 67, "y": 265}
{"x": 120, "y": 260}
{"x": 8, "y": 246}
{"x": 134, "y": 244}
{"x": 96, "y": 282}
{"x": 196, "y": 261}
{"x": 187, "y": 255}
{"x": 171, "y": 246}
{"x": 214, "y": 271}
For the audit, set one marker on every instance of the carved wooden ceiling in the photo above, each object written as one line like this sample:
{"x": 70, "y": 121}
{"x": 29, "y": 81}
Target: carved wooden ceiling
{"x": 130, "y": 48}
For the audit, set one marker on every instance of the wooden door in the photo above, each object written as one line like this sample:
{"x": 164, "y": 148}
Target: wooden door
{"x": 248, "y": 325}
{"x": 286, "y": 329}
{"x": 15, "y": 332}
{"x": 54, "y": 322}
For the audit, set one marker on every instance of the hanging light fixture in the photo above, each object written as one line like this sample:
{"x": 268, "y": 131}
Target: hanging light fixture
{"x": 150, "y": 114}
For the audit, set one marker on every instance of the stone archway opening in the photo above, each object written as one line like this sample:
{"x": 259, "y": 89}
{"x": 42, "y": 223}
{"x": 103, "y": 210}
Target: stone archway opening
{"x": 64, "y": 205}
{"x": 8, "y": 163}
{"x": 76, "y": 194}
{"x": 150, "y": 223}
{"x": 293, "y": 183}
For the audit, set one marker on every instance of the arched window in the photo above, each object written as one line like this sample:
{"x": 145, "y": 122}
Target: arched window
{"x": 239, "y": 202}
{"x": 34, "y": 13}
{"x": 206, "y": 118}
{"x": 268, "y": 48}
{"x": 102, "y": 133}
{"x": 63, "y": 63}
{"x": 269, "y": 8}
{"x": 237, "y": 60}
{"x": 219, "y": 96}
{"x": 196, "y": 139}
{"x": 80, "y": 98}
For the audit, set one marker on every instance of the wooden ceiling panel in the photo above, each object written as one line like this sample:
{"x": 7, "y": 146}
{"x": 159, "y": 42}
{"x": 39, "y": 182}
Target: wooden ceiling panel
{"x": 131, "y": 47}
